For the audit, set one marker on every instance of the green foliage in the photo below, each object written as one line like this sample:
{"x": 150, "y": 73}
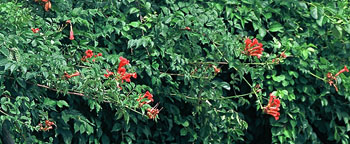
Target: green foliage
{"x": 175, "y": 48}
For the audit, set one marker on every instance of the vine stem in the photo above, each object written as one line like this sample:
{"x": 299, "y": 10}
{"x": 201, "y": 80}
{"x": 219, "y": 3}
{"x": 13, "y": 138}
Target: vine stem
{"x": 258, "y": 98}
{"x": 222, "y": 98}
{"x": 4, "y": 113}
{"x": 81, "y": 94}
{"x": 183, "y": 75}
{"x": 235, "y": 96}
{"x": 323, "y": 79}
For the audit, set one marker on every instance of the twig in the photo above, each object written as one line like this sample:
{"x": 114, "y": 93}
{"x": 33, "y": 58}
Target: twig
{"x": 209, "y": 63}
{"x": 4, "y": 113}
{"x": 183, "y": 75}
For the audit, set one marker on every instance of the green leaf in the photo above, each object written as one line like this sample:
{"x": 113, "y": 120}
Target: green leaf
{"x": 134, "y": 10}
{"x": 226, "y": 85}
{"x": 50, "y": 102}
{"x": 262, "y": 32}
{"x": 135, "y": 24}
{"x": 313, "y": 12}
{"x": 183, "y": 132}
{"x": 4, "y": 51}
{"x": 186, "y": 124}
{"x": 274, "y": 27}
{"x": 62, "y": 103}
{"x": 278, "y": 78}
{"x": 116, "y": 127}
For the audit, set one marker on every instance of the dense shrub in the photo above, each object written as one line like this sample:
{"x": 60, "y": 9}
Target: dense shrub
{"x": 192, "y": 75}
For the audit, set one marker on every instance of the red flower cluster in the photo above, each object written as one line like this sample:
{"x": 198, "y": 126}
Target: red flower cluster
{"x": 35, "y": 30}
{"x": 153, "y": 112}
{"x": 89, "y": 54}
{"x": 330, "y": 77}
{"x": 48, "y": 125}
{"x": 147, "y": 95}
{"x": 121, "y": 73}
{"x": 67, "y": 76}
{"x": 272, "y": 107}
{"x": 253, "y": 48}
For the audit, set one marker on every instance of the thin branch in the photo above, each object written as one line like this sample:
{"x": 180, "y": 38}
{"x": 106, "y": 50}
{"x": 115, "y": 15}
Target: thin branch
{"x": 4, "y": 113}
{"x": 224, "y": 63}
{"x": 221, "y": 98}
{"x": 173, "y": 74}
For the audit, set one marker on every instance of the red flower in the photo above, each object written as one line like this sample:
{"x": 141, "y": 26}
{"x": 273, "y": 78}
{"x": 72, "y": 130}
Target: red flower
{"x": 283, "y": 55}
{"x": 123, "y": 62}
{"x": 44, "y": 0}
{"x": 345, "y": 69}
{"x": 47, "y": 6}
{"x": 126, "y": 77}
{"x": 77, "y": 73}
{"x": 89, "y": 53}
{"x": 66, "y": 75}
{"x": 71, "y": 34}
{"x": 253, "y": 48}
{"x": 147, "y": 95}
{"x": 134, "y": 75}
{"x": 121, "y": 71}
{"x": 188, "y": 28}
{"x": 216, "y": 70}
{"x": 108, "y": 73}
{"x": 48, "y": 125}
{"x": 35, "y": 30}
{"x": 272, "y": 107}
{"x": 99, "y": 54}
{"x": 68, "y": 21}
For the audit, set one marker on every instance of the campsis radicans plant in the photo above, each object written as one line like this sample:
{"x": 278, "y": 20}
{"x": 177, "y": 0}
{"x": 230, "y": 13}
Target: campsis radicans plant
{"x": 272, "y": 107}
{"x": 253, "y": 48}
{"x": 330, "y": 77}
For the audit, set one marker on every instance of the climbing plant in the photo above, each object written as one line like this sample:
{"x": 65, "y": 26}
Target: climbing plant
{"x": 146, "y": 71}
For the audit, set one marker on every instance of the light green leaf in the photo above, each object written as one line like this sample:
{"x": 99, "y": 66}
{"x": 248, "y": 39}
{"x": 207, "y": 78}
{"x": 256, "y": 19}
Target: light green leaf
{"x": 313, "y": 12}
{"x": 62, "y": 103}
{"x": 274, "y": 27}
